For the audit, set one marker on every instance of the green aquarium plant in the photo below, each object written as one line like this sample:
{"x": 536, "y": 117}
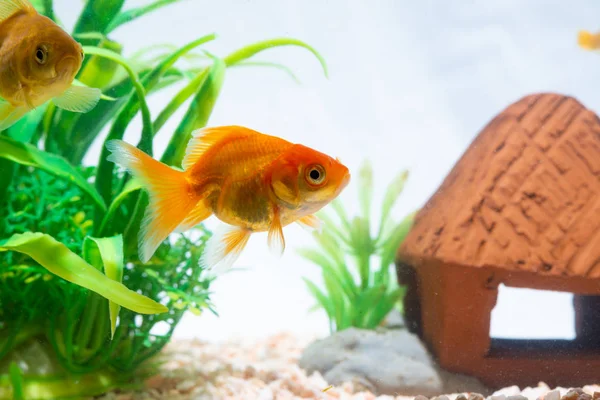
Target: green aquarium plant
{"x": 79, "y": 313}
{"x": 360, "y": 288}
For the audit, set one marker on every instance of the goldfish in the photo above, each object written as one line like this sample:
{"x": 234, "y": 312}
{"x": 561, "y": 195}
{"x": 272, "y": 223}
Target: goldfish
{"x": 588, "y": 40}
{"x": 252, "y": 182}
{"x": 38, "y": 63}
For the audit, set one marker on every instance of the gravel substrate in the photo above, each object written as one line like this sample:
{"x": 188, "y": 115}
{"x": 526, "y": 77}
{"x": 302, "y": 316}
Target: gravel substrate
{"x": 268, "y": 370}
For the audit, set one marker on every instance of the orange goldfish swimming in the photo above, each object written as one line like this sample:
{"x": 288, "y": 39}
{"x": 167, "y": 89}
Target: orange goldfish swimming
{"x": 252, "y": 182}
{"x": 38, "y": 62}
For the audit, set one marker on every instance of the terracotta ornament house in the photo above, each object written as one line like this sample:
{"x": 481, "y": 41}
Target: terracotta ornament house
{"x": 521, "y": 208}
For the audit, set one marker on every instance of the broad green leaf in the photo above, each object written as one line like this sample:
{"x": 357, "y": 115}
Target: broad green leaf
{"x": 365, "y": 190}
{"x": 197, "y": 114}
{"x": 59, "y": 260}
{"x": 391, "y": 196}
{"x": 26, "y": 154}
{"x": 110, "y": 250}
{"x": 131, "y": 14}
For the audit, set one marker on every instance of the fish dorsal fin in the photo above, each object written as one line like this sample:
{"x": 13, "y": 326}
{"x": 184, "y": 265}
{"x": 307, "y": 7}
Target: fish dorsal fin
{"x": 77, "y": 98}
{"x": 203, "y": 138}
{"x": 11, "y": 7}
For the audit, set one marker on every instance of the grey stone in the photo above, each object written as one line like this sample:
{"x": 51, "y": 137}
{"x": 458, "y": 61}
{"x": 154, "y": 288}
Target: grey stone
{"x": 392, "y": 361}
{"x": 553, "y": 395}
{"x": 499, "y": 397}
{"x": 517, "y": 397}
{"x": 394, "y": 320}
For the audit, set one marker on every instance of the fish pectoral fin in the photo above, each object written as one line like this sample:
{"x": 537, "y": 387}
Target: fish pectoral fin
{"x": 79, "y": 99}
{"x": 311, "y": 222}
{"x": 224, "y": 247}
{"x": 10, "y": 7}
{"x": 10, "y": 114}
{"x": 275, "y": 237}
{"x": 198, "y": 214}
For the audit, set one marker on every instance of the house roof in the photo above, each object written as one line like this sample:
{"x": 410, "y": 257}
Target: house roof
{"x": 524, "y": 196}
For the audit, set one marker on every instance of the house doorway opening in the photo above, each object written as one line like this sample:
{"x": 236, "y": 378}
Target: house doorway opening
{"x": 532, "y": 315}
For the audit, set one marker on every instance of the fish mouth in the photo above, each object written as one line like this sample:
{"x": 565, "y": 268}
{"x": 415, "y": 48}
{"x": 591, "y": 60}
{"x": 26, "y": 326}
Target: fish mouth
{"x": 345, "y": 180}
{"x": 68, "y": 67}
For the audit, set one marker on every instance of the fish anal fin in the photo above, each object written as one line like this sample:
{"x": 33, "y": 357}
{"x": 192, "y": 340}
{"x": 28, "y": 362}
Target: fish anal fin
{"x": 10, "y": 7}
{"x": 224, "y": 247}
{"x": 170, "y": 197}
{"x": 77, "y": 98}
{"x": 198, "y": 214}
{"x": 203, "y": 138}
{"x": 310, "y": 222}
{"x": 275, "y": 238}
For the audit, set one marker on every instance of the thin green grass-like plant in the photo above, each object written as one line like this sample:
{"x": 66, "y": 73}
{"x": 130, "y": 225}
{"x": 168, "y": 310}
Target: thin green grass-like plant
{"x": 73, "y": 294}
{"x": 359, "y": 291}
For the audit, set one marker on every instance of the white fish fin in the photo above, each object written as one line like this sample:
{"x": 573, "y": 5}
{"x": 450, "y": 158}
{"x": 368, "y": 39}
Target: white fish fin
{"x": 198, "y": 214}
{"x": 11, "y": 7}
{"x": 275, "y": 237}
{"x": 168, "y": 192}
{"x": 311, "y": 223}
{"x": 10, "y": 114}
{"x": 203, "y": 138}
{"x": 224, "y": 247}
{"x": 79, "y": 99}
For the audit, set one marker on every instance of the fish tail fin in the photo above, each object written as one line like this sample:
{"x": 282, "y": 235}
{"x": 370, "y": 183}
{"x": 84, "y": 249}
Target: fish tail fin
{"x": 172, "y": 200}
{"x": 224, "y": 247}
{"x": 10, "y": 114}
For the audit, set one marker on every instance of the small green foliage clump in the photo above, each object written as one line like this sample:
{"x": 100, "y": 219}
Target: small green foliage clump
{"x": 358, "y": 291}
{"x": 79, "y": 314}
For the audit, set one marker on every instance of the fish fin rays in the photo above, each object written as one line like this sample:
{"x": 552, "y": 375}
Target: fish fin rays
{"x": 275, "y": 238}
{"x": 170, "y": 202}
{"x": 10, "y": 7}
{"x": 198, "y": 214}
{"x": 203, "y": 138}
{"x": 79, "y": 99}
{"x": 310, "y": 223}
{"x": 10, "y": 114}
{"x": 224, "y": 247}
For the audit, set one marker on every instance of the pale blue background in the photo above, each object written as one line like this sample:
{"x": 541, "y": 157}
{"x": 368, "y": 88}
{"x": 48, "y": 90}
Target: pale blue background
{"x": 411, "y": 83}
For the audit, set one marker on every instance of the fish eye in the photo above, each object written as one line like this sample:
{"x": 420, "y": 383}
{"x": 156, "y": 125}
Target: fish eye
{"x": 41, "y": 55}
{"x": 315, "y": 174}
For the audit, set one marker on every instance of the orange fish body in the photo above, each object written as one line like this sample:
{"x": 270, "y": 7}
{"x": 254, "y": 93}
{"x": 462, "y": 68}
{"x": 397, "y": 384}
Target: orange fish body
{"x": 250, "y": 181}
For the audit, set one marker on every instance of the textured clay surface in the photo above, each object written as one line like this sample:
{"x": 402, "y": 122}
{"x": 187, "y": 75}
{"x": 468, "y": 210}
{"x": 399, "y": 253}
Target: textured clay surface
{"x": 524, "y": 196}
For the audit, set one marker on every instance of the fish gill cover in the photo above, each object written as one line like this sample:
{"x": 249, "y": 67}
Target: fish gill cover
{"x": 79, "y": 314}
